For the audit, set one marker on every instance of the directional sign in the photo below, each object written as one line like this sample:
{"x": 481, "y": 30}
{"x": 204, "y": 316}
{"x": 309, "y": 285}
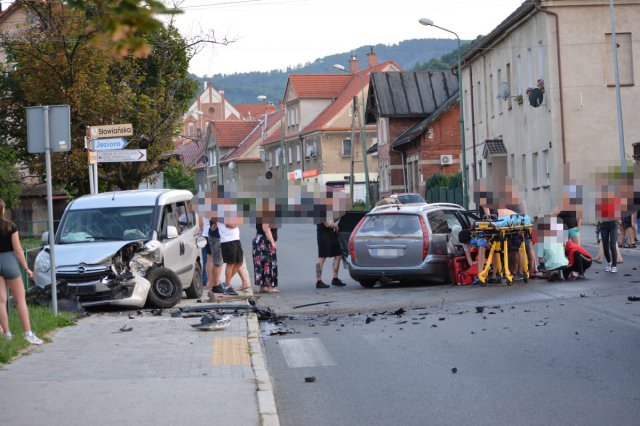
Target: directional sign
{"x": 111, "y": 130}
{"x": 123, "y": 155}
{"x": 108, "y": 144}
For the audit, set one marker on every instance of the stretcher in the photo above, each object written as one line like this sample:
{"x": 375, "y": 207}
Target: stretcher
{"x": 497, "y": 233}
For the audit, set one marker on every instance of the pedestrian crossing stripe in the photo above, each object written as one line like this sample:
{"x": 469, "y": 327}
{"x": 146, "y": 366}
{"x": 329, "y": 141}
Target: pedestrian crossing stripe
{"x": 306, "y": 352}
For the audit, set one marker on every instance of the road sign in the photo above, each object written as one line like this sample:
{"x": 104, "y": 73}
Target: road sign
{"x": 111, "y": 130}
{"x": 93, "y": 157}
{"x": 123, "y": 155}
{"x": 108, "y": 144}
{"x": 59, "y": 128}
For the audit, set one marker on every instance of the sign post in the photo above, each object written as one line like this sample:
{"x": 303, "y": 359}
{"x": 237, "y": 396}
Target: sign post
{"x": 39, "y": 130}
{"x": 123, "y": 155}
{"x": 106, "y": 138}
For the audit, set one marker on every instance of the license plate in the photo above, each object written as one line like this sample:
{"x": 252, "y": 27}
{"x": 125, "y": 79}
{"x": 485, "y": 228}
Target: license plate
{"x": 387, "y": 252}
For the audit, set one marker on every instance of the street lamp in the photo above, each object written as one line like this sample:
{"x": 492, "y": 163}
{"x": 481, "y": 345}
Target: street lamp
{"x": 623, "y": 161}
{"x": 363, "y": 138}
{"x": 263, "y": 98}
{"x": 465, "y": 195}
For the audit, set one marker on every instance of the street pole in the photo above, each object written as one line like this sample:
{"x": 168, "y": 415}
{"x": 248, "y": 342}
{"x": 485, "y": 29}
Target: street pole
{"x": 465, "y": 195}
{"x": 617, "y": 77}
{"x": 52, "y": 250}
{"x": 353, "y": 135}
{"x": 284, "y": 172}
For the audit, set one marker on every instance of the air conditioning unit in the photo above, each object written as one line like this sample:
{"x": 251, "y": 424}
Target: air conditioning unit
{"x": 263, "y": 155}
{"x": 446, "y": 160}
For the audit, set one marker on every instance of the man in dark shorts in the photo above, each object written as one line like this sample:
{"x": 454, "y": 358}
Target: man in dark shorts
{"x": 328, "y": 246}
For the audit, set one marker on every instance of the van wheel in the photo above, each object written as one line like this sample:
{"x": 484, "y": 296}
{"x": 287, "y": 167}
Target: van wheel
{"x": 368, "y": 283}
{"x": 195, "y": 289}
{"x": 166, "y": 289}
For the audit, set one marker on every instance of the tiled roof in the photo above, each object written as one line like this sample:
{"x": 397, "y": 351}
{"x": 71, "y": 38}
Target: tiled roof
{"x": 345, "y": 97}
{"x": 191, "y": 152}
{"x": 494, "y": 148}
{"x": 318, "y": 86}
{"x": 229, "y": 134}
{"x": 255, "y": 111}
{"x": 254, "y": 138}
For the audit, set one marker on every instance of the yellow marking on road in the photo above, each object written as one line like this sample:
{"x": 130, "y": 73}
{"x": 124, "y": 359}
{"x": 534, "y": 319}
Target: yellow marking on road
{"x": 230, "y": 351}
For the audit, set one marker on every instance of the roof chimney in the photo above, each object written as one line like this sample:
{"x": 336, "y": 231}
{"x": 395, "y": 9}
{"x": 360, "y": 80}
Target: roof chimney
{"x": 354, "y": 64}
{"x": 372, "y": 58}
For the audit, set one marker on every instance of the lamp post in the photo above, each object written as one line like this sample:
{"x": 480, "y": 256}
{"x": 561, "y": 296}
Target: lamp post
{"x": 363, "y": 138}
{"x": 263, "y": 98}
{"x": 614, "y": 43}
{"x": 465, "y": 195}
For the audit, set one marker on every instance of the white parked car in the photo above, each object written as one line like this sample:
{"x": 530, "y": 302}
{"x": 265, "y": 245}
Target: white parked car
{"x": 126, "y": 248}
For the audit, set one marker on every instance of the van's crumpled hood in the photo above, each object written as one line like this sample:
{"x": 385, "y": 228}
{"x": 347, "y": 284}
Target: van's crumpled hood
{"x": 90, "y": 253}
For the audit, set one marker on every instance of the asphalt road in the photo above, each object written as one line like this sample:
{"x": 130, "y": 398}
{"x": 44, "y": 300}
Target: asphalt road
{"x": 541, "y": 353}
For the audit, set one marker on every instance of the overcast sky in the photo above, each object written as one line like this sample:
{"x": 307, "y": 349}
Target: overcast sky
{"x": 274, "y": 34}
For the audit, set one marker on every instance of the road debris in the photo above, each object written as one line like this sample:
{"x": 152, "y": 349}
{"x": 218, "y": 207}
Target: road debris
{"x": 124, "y": 328}
{"x": 212, "y": 322}
{"x": 454, "y": 370}
{"x": 399, "y": 312}
{"x": 633, "y": 298}
{"x": 313, "y": 304}
{"x": 479, "y": 309}
{"x": 310, "y": 379}
{"x": 369, "y": 320}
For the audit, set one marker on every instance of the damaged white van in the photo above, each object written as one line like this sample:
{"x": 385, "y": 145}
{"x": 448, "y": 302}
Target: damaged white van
{"x": 126, "y": 248}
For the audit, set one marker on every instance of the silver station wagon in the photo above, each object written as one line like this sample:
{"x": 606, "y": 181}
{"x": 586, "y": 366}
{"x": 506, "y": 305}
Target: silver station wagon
{"x": 406, "y": 243}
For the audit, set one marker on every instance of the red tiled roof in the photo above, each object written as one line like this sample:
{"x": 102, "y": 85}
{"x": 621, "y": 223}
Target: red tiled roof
{"x": 318, "y": 86}
{"x": 229, "y": 134}
{"x": 255, "y": 136}
{"x": 255, "y": 111}
{"x": 191, "y": 152}
{"x": 354, "y": 88}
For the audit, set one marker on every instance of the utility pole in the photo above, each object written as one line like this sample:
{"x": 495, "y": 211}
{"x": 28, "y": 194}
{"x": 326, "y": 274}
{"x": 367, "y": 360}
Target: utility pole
{"x": 353, "y": 133}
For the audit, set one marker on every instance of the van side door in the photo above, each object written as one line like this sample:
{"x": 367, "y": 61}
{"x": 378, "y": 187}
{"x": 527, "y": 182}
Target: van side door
{"x": 174, "y": 250}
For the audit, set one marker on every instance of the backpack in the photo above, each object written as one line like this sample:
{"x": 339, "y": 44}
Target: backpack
{"x": 467, "y": 276}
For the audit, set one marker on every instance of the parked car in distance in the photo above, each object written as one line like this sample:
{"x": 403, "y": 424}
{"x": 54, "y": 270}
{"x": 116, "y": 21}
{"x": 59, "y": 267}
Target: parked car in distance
{"x": 406, "y": 243}
{"x": 409, "y": 198}
{"x": 126, "y": 248}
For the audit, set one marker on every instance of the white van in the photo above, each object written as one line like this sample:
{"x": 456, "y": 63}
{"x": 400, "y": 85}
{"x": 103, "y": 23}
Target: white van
{"x": 126, "y": 248}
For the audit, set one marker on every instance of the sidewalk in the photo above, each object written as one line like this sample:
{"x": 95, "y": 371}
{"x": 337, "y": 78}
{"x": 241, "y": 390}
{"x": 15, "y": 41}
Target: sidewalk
{"x": 162, "y": 372}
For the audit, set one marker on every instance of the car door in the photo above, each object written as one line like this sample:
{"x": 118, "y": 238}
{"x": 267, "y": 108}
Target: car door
{"x": 174, "y": 248}
{"x": 188, "y": 238}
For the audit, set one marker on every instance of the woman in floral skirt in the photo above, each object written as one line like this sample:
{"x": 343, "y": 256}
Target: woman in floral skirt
{"x": 265, "y": 261}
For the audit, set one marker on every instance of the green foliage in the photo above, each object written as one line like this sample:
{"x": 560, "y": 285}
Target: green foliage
{"x": 439, "y": 180}
{"x": 358, "y": 205}
{"x": 177, "y": 177}
{"x": 448, "y": 60}
{"x": 42, "y": 321}
{"x": 10, "y": 188}
{"x": 57, "y": 62}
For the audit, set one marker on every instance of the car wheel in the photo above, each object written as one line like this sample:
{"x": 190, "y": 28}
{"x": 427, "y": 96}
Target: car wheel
{"x": 195, "y": 289}
{"x": 166, "y": 289}
{"x": 368, "y": 283}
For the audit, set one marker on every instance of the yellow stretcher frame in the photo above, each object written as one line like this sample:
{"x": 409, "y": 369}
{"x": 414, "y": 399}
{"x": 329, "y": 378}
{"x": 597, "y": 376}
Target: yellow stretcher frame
{"x": 497, "y": 236}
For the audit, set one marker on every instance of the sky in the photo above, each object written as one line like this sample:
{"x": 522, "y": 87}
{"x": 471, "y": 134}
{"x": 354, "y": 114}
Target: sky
{"x": 275, "y": 34}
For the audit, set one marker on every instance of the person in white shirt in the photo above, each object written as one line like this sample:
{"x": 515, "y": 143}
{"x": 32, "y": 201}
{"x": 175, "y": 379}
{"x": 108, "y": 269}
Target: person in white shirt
{"x": 232, "y": 256}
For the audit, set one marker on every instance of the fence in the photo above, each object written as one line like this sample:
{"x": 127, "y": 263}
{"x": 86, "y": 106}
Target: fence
{"x": 444, "y": 195}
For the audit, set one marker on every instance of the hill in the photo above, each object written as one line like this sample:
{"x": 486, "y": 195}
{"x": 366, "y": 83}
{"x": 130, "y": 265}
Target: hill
{"x": 243, "y": 88}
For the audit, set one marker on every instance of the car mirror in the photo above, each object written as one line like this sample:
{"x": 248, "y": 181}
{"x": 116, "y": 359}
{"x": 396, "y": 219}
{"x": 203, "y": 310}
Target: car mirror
{"x": 172, "y": 232}
{"x": 201, "y": 242}
{"x": 45, "y": 238}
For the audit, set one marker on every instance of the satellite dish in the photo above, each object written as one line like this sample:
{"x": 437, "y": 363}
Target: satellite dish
{"x": 268, "y": 175}
{"x": 232, "y": 165}
{"x": 504, "y": 91}
{"x": 535, "y": 97}
{"x": 204, "y": 159}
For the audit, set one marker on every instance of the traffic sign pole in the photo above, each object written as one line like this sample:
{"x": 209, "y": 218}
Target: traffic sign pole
{"x": 52, "y": 251}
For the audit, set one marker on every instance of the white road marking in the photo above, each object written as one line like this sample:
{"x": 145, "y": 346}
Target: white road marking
{"x": 309, "y": 352}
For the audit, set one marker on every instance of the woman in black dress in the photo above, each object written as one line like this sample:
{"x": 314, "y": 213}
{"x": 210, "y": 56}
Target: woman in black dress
{"x": 265, "y": 261}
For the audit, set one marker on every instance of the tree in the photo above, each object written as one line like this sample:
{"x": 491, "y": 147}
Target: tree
{"x": 57, "y": 63}
{"x": 10, "y": 187}
{"x": 177, "y": 177}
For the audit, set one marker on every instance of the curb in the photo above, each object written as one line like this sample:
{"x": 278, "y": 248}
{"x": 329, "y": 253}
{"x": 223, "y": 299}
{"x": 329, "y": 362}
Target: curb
{"x": 264, "y": 391}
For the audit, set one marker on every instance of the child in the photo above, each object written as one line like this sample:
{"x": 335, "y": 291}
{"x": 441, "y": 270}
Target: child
{"x": 579, "y": 261}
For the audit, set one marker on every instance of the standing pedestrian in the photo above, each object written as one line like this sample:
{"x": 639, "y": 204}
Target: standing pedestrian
{"x": 608, "y": 209}
{"x": 214, "y": 256}
{"x": 11, "y": 258}
{"x": 328, "y": 246}
{"x": 232, "y": 254}
{"x": 265, "y": 260}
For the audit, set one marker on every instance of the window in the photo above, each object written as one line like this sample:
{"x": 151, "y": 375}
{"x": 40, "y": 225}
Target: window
{"x": 276, "y": 155}
{"x": 519, "y": 75}
{"x": 546, "y": 168}
{"x": 524, "y": 171}
{"x": 290, "y": 154}
{"x": 212, "y": 157}
{"x": 509, "y": 102}
{"x": 268, "y": 159}
{"x": 191, "y": 129}
{"x": 530, "y": 79}
{"x": 441, "y": 222}
{"x": 479, "y": 102}
{"x": 501, "y": 100}
{"x": 298, "y": 152}
{"x": 534, "y": 170}
{"x": 625, "y": 59}
{"x": 168, "y": 219}
{"x": 491, "y": 97}
{"x": 540, "y": 52}
{"x": 512, "y": 164}
{"x": 346, "y": 147}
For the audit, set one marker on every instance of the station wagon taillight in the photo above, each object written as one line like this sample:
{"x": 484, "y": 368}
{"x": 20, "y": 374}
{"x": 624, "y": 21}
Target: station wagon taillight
{"x": 425, "y": 238}
{"x": 352, "y": 251}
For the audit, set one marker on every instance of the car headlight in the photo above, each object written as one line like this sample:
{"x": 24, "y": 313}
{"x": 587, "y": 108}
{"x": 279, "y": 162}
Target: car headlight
{"x": 43, "y": 262}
